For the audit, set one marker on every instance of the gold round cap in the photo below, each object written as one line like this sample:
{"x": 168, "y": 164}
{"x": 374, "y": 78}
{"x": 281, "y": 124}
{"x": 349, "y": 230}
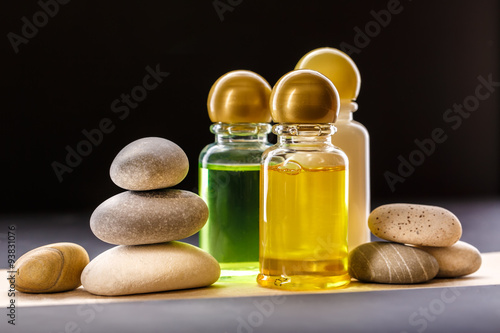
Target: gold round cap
{"x": 337, "y": 66}
{"x": 239, "y": 96}
{"x": 305, "y": 97}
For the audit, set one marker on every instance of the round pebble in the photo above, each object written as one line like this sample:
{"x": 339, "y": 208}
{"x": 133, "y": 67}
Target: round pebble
{"x": 415, "y": 224}
{"x": 125, "y": 270}
{"x": 149, "y": 164}
{"x": 133, "y": 218}
{"x": 51, "y": 268}
{"x": 457, "y": 260}
{"x": 385, "y": 262}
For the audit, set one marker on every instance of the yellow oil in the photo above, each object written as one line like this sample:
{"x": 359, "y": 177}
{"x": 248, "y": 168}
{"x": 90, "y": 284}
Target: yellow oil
{"x": 303, "y": 227}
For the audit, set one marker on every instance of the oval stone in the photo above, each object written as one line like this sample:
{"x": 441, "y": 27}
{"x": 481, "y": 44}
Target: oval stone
{"x": 133, "y": 218}
{"x": 457, "y": 260}
{"x": 386, "y": 262}
{"x": 126, "y": 270}
{"x": 149, "y": 164}
{"x": 51, "y": 268}
{"x": 415, "y": 224}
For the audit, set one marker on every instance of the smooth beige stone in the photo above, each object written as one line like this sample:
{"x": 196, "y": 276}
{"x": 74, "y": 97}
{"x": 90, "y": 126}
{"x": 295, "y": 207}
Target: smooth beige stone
{"x": 415, "y": 224}
{"x": 126, "y": 270}
{"x": 134, "y": 218}
{"x": 457, "y": 260}
{"x": 149, "y": 164}
{"x": 51, "y": 268}
{"x": 386, "y": 262}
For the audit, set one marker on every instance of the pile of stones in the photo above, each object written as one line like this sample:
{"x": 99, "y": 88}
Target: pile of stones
{"x": 145, "y": 221}
{"x": 423, "y": 244}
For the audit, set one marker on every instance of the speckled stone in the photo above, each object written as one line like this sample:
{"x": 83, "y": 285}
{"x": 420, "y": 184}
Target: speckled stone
{"x": 51, "y": 268}
{"x": 125, "y": 270}
{"x": 415, "y": 224}
{"x": 149, "y": 164}
{"x": 457, "y": 260}
{"x": 394, "y": 263}
{"x": 132, "y": 218}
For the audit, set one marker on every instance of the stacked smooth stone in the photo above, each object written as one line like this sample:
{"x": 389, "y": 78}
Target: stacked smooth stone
{"x": 145, "y": 222}
{"x": 423, "y": 243}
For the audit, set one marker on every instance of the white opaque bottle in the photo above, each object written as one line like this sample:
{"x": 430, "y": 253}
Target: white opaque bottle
{"x": 352, "y": 137}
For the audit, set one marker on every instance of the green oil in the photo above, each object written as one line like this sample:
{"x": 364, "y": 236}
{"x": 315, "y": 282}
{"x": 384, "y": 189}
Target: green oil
{"x": 231, "y": 234}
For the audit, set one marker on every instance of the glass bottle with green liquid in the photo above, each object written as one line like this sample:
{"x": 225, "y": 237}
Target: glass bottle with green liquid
{"x": 238, "y": 106}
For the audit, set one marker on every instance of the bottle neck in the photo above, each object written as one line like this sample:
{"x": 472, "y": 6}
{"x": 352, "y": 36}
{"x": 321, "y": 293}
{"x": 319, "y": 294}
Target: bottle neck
{"x": 304, "y": 134}
{"x": 347, "y": 108}
{"x": 241, "y": 133}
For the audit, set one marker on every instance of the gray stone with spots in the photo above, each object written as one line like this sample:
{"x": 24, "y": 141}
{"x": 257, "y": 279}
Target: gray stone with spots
{"x": 415, "y": 224}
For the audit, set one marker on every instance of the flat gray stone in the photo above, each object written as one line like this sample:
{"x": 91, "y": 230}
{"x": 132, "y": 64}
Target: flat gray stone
{"x": 133, "y": 218}
{"x": 457, "y": 260}
{"x": 126, "y": 270}
{"x": 149, "y": 164}
{"x": 415, "y": 224}
{"x": 394, "y": 263}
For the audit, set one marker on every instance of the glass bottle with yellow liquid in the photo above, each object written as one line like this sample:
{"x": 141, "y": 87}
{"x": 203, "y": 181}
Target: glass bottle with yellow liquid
{"x": 238, "y": 105}
{"x": 352, "y": 137}
{"x": 303, "y": 189}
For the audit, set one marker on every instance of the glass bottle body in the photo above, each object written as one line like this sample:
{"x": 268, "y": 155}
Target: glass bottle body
{"x": 352, "y": 137}
{"x": 303, "y": 210}
{"x": 229, "y": 183}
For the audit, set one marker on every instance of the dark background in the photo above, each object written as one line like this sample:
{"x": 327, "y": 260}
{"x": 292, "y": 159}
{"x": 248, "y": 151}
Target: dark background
{"x": 65, "y": 78}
